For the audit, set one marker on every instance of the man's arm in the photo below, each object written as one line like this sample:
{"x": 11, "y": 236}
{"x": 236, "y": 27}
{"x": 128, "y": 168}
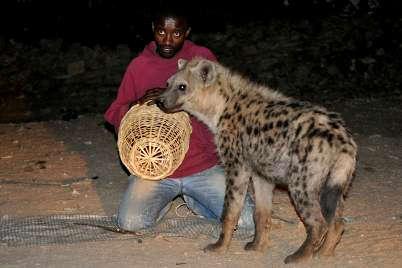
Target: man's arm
{"x": 126, "y": 94}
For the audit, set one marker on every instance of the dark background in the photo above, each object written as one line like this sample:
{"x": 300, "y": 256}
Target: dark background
{"x": 60, "y": 59}
{"x": 111, "y": 22}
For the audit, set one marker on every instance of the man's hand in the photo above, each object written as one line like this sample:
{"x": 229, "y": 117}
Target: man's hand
{"x": 150, "y": 96}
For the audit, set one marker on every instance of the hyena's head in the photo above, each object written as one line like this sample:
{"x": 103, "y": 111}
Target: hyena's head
{"x": 191, "y": 87}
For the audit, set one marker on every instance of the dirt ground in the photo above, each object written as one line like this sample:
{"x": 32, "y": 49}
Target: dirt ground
{"x": 72, "y": 167}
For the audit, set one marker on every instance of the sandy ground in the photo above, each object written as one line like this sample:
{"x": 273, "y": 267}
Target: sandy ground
{"x": 72, "y": 167}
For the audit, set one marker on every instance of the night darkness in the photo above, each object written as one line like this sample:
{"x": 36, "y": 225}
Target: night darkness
{"x": 350, "y": 48}
{"x": 113, "y": 22}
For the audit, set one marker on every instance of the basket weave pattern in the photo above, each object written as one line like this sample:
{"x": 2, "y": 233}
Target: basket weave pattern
{"x": 152, "y": 144}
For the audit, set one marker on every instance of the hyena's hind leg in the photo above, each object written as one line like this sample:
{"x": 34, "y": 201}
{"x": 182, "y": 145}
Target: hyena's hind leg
{"x": 237, "y": 181}
{"x": 332, "y": 199}
{"x": 335, "y": 230}
{"x": 263, "y": 192}
{"x": 307, "y": 204}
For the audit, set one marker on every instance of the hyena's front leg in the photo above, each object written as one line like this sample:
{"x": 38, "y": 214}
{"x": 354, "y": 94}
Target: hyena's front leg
{"x": 236, "y": 189}
{"x": 263, "y": 192}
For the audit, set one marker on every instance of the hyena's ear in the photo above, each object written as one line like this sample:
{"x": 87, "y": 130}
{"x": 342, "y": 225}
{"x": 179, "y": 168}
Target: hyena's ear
{"x": 206, "y": 70}
{"x": 181, "y": 63}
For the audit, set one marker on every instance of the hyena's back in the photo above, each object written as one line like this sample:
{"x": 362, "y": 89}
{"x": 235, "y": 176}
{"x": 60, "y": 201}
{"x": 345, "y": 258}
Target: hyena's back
{"x": 288, "y": 142}
{"x": 282, "y": 134}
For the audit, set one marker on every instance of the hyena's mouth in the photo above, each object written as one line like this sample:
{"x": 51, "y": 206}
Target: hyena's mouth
{"x": 173, "y": 109}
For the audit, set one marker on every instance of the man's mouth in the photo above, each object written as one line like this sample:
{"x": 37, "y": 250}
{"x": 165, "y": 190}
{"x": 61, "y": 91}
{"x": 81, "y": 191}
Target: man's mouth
{"x": 167, "y": 50}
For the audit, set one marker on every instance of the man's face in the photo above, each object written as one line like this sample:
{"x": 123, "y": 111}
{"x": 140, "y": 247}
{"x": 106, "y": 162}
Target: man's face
{"x": 170, "y": 34}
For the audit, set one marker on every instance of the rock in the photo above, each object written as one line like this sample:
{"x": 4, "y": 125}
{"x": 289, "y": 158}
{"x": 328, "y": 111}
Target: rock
{"x": 75, "y": 68}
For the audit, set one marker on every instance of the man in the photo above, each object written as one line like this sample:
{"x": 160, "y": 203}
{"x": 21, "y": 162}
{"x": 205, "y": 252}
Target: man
{"x": 199, "y": 179}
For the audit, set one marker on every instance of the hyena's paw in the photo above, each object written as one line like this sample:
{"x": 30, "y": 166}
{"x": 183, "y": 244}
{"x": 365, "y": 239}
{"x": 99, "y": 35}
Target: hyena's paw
{"x": 298, "y": 256}
{"x": 252, "y": 246}
{"x": 217, "y": 247}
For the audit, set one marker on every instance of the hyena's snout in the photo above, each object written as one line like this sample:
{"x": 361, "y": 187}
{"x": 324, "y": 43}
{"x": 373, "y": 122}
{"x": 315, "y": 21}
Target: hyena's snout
{"x": 167, "y": 102}
{"x": 160, "y": 103}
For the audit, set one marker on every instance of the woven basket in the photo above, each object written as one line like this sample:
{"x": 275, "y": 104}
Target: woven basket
{"x": 151, "y": 143}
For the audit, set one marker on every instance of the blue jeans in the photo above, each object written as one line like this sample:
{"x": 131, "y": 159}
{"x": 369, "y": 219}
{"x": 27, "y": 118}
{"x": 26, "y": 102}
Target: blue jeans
{"x": 145, "y": 202}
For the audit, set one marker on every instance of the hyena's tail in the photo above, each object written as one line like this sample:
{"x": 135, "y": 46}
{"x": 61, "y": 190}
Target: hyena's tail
{"x": 336, "y": 185}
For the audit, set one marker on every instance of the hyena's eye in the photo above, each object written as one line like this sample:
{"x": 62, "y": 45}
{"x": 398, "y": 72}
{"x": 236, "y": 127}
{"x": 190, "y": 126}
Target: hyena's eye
{"x": 181, "y": 87}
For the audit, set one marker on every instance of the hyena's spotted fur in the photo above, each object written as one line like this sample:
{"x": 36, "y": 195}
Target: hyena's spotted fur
{"x": 266, "y": 139}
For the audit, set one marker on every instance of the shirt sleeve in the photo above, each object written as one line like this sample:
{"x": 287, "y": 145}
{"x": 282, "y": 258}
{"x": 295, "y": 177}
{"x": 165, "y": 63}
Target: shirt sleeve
{"x": 126, "y": 94}
{"x": 206, "y": 53}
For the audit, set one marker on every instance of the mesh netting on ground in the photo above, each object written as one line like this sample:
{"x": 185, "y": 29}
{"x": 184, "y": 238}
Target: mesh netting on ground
{"x": 63, "y": 229}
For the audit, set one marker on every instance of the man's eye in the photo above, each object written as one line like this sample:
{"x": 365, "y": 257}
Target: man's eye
{"x": 182, "y": 87}
{"x": 161, "y": 32}
{"x": 177, "y": 34}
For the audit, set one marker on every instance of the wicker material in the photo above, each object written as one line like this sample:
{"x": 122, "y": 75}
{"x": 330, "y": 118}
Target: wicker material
{"x": 151, "y": 143}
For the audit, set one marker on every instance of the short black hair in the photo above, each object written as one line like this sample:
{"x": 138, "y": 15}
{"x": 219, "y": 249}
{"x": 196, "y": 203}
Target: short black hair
{"x": 178, "y": 9}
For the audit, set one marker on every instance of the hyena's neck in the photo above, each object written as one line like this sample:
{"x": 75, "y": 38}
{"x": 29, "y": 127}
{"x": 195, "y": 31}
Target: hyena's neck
{"x": 210, "y": 104}
{"x": 238, "y": 86}
{"x": 207, "y": 107}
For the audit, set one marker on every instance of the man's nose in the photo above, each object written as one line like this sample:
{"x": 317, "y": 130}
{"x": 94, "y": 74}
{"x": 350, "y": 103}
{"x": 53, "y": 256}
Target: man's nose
{"x": 168, "y": 40}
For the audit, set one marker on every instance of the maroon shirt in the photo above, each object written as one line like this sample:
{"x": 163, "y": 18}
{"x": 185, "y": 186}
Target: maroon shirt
{"x": 149, "y": 70}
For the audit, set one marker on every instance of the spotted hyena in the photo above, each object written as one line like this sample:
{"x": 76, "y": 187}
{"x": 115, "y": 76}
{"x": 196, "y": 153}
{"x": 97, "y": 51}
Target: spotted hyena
{"x": 266, "y": 139}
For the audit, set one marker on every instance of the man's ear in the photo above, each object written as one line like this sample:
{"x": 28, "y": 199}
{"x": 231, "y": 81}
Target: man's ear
{"x": 188, "y": 32}
{"x": 181, "y": 63}
{"x": 153, "y": 27}
{"x": 206, "y": 71}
